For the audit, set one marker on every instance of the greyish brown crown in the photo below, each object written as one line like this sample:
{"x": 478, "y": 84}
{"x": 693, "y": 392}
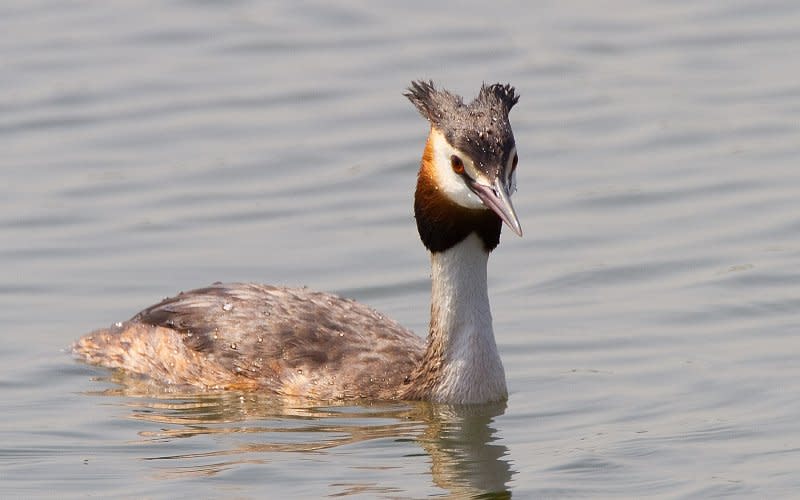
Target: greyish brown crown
{"x": 481, "y": 128}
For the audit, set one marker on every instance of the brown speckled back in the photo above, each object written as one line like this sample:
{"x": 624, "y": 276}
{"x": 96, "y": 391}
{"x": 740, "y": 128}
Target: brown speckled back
{"x": 286, "y": 340}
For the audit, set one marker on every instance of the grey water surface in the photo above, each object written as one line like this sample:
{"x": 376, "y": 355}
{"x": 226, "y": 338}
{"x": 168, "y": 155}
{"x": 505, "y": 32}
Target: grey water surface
{"x": 648, "y": 319}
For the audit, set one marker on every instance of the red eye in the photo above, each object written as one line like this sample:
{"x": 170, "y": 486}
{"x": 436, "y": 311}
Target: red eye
{"x": 457, "y": 164}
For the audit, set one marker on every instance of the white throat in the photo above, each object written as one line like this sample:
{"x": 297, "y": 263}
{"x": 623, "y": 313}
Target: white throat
{"x": 461, "y": 324}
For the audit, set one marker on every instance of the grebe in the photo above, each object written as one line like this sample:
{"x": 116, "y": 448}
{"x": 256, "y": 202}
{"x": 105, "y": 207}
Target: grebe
{"x": 300, "y": 343}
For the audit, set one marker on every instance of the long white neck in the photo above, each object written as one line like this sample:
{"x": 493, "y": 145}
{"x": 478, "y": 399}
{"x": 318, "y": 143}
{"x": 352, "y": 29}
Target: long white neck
{"x": 470, "y": 369}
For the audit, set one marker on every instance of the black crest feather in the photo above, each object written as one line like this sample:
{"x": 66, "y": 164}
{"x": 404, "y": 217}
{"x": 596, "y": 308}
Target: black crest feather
{"x": 433, "y": 104}
{"x": 440, "y": 106}
{"x": 505, "y": 94}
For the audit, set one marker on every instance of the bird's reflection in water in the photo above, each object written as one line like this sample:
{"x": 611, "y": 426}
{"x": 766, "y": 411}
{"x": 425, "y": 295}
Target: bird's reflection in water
{"x": 463, "y": 449}
{"x": 467, "y": 458}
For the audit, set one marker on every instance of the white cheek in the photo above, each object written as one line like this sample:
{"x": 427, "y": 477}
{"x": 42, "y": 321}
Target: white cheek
{"x": 451, "y": 183}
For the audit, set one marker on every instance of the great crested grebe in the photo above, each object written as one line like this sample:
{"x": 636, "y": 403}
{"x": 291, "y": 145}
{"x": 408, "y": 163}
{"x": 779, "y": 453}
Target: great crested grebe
{"x": 300, "y": 343}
